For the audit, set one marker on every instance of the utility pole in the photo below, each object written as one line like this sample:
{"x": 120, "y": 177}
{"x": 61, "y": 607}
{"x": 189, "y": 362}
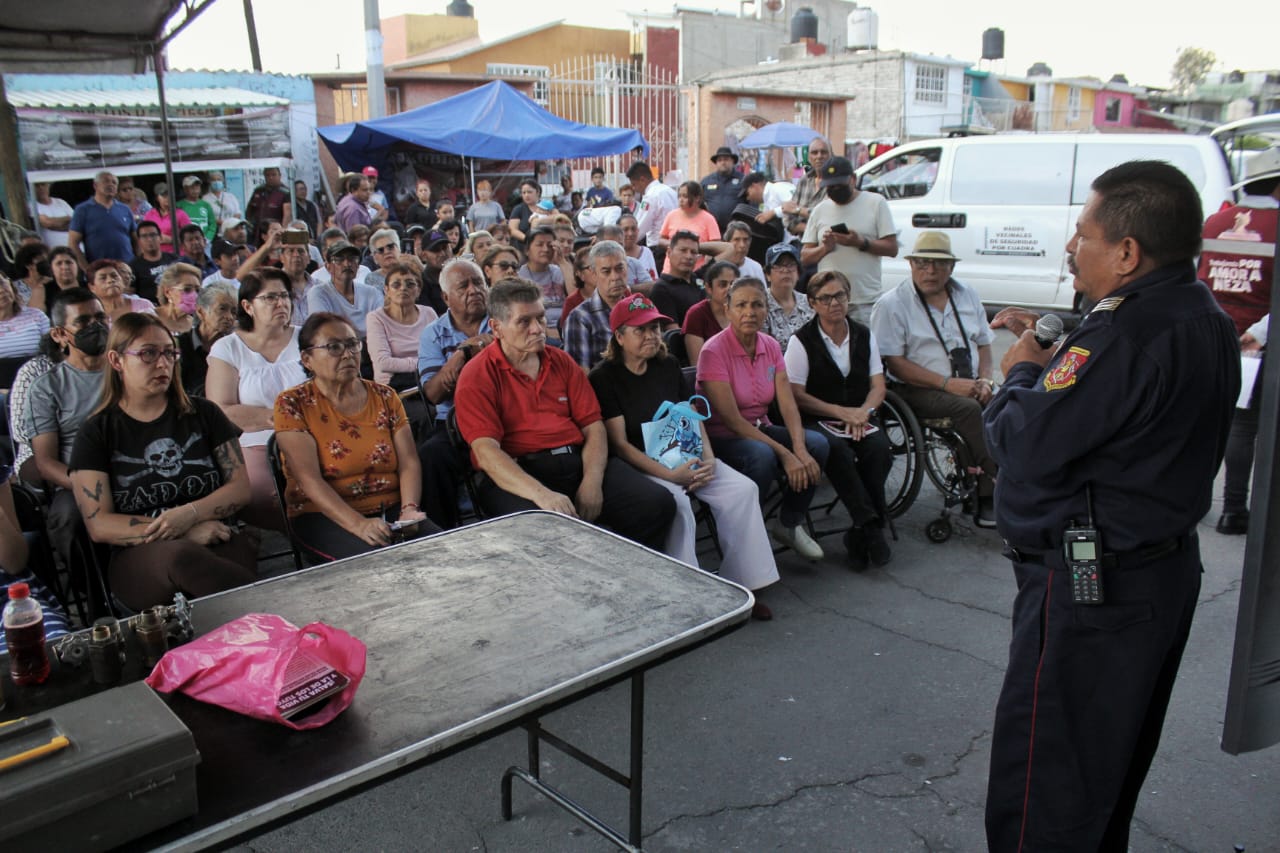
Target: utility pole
{"x": 252, "y": 29}
{"x": 376, "y": 86}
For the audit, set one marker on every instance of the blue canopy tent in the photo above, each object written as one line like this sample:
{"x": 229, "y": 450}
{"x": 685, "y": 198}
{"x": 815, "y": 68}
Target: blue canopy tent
{"x": 780, "y": 134}
{"x": 492, "y": 122}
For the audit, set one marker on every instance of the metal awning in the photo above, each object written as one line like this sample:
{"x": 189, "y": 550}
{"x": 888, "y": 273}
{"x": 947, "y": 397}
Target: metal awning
{"x": 91, "y": 99}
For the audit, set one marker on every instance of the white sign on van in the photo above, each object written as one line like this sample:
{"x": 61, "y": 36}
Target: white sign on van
{"x": 1017, "y": 240}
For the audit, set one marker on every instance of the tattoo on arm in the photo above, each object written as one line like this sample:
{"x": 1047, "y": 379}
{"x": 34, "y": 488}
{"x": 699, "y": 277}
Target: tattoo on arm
{"x": 138, "y": 522}
{"x": 96, "y": 494}
{"x": 93, "y": 514}
{"x": 229, "y": 457}
{"x": 227, "y": 510}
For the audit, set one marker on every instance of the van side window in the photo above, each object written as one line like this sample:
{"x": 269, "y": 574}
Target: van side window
{"x": 1012, "y": 174}
{"x": 1093, "y": 160}
{"x": 905, "y": 176}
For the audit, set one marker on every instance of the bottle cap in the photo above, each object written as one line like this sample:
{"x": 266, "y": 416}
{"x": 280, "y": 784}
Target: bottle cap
{"x": 19, "y": 590}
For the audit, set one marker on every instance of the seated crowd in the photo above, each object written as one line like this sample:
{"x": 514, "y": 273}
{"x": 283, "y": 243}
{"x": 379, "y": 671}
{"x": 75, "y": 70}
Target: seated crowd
{"x": 377, "y": 366}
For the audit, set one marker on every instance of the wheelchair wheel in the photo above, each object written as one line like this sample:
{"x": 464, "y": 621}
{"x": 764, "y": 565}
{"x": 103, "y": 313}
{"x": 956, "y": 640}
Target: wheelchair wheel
{"x": 906, "y": 439}
{"x": 938, "y": 530}
{"x": 943, "y": 462}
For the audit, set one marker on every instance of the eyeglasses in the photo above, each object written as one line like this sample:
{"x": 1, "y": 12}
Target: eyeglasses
{"x": 832, "y": 299}
{"x": 339, "y": 348}
{"x": 931, "y": 263}
{"x": 151, "y": 355}
{"x": 403, "y": 283}
{"x": 274, "y": 297}
{"x": 506, "y": 266}
{"x": 382, "y": 250}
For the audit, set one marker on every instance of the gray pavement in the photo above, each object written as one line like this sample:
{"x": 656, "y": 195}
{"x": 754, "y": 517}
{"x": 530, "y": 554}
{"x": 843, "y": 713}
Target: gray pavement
{"x": 859, "y": 719}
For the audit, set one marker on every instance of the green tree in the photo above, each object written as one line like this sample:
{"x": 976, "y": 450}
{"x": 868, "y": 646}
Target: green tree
{"x": 1190, "y": 68}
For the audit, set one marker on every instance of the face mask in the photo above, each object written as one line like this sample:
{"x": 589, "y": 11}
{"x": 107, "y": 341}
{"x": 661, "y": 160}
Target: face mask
{"x": 92, "y": 339}
{"x": 216, "y": 186}
{"x": 840, "y": 194}
{"x": 187, "y": 301}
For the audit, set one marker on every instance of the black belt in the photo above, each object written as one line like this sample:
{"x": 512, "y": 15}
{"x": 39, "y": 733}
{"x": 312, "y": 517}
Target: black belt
{"x": 569, "y": 449}
{"x": 1116, "y": 561}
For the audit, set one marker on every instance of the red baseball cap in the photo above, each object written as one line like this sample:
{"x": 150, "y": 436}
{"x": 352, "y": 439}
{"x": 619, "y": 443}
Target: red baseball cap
{"x": 635, "y": 310}
{"x": 369, "y": 172}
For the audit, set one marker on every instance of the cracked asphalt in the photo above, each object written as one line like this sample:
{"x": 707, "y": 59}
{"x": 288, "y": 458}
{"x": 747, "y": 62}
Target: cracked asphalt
{"x": 859, "y": 719}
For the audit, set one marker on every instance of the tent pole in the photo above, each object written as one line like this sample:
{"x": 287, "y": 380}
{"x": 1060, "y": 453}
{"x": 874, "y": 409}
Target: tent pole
{"x": 156, "y": 53}
{"x": 473, "y": 180}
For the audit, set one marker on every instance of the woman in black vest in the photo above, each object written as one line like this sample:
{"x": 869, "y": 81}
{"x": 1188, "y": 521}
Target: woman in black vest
{"x": 834, "y": 367}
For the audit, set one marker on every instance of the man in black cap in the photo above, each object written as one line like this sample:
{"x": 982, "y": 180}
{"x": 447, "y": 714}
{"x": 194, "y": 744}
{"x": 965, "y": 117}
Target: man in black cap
{"x": 850, "y": 232}
{"x": 434, "y": 250}
{"x": 721, "y": 188}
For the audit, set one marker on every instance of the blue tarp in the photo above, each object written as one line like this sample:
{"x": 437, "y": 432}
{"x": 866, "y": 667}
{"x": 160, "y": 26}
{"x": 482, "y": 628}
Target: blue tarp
{"x": 493, "y": 122}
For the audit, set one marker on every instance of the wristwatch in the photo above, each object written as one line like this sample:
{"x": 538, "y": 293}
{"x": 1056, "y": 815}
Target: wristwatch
{"x": 871, "y": 412}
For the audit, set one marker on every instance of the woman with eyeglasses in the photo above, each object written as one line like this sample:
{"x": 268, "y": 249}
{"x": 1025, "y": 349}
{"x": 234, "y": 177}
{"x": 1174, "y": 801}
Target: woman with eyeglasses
{"x": 159, "y": 476}
{"x": 247, "y": 370}
{"x": 788, "y": 308}
{"x": 179, "y": 290}
{"x": 107, "y": 283}
{"x": 501, "y": 261}
{"x": 353, "y": 480}
{"x": 635, "y": 378}
{"x": 395, "y": 328}
{"x": 833, "y": 364}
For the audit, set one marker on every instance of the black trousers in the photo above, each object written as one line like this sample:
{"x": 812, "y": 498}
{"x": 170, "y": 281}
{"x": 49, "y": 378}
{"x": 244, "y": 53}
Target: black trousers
{"x": 858, "y": 470}
{"x": 442, "y": 471}
{"x": 634, "y": 506}
{"x": 1083, "y": 702}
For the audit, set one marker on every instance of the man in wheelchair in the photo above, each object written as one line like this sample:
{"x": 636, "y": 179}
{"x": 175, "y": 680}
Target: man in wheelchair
{"x": 935, "y": 342}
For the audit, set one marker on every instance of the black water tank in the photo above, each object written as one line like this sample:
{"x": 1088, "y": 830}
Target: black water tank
{"x": 804, "y": 25}
{"x": 1119, "y": 78}
{"x": 460, "y": 9}
{"x": 1039, "y": 70}
{"x": 993, "y": 43}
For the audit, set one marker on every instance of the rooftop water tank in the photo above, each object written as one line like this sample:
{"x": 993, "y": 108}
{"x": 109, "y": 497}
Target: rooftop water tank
{"x": 804, "y": 25}
{"x": 863, "y": 30}
{"x": 1039, "y": 70}
{"x": 460, "y": 9}
{"x": 993, "y": 43}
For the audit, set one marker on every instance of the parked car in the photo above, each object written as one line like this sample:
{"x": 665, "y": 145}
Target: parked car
{"x": 1010, "y": 202}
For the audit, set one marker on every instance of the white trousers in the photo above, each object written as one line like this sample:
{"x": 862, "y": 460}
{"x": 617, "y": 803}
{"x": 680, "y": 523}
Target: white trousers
{"x": 735, "y": 504}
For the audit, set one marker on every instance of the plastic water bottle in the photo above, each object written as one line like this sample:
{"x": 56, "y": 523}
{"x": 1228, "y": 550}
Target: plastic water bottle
{"x": 24, "y": 634}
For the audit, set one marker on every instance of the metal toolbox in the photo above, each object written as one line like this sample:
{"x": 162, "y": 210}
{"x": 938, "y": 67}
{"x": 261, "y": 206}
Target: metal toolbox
{"x": 126, "y": 768}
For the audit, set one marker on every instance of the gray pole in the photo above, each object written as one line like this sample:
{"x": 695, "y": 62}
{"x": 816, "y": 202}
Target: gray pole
{"x": 252, "y": 29}
{"x": 376, "y": 85}
{"x": 157, "y": 60}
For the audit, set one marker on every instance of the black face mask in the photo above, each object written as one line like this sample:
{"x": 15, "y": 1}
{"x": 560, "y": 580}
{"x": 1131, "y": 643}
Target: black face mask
{"x": 92, "y": 339}
{"x": 841, "y": 194}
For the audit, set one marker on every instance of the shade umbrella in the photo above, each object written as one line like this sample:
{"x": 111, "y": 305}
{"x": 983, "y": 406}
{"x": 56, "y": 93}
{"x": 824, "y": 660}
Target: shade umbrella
{"x": 780, "y": 134}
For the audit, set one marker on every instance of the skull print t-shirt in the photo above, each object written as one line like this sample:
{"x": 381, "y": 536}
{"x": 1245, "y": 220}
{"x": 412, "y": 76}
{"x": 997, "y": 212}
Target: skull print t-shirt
{"x": 158, "y": 465}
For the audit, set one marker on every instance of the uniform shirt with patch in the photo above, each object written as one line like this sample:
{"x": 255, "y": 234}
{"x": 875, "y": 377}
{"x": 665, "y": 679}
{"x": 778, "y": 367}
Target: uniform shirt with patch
{"x": 157, "y": 465}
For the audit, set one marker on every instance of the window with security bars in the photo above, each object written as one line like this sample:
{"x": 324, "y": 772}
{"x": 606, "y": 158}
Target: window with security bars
{"x": 1073, "y": 103}
{"x": 931, "y": 84}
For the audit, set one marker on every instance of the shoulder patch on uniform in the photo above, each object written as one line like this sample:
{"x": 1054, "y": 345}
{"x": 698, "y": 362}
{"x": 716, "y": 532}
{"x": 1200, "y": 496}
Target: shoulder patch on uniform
{"x": 1111, "y": 303}
{"x": 1063, "y": 374}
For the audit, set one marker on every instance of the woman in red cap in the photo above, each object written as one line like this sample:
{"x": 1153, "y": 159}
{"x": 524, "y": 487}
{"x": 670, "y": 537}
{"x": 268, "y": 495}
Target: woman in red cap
{"x": 636, "y": 377}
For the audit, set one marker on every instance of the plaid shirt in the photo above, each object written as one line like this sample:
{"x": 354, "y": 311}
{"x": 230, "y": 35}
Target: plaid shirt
{"x": 586, "y": 332}
{"x": 808, "y": 194}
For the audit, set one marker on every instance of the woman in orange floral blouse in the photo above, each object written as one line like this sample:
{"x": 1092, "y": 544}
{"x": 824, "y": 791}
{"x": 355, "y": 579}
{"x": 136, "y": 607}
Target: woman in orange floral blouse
{"x": 351, "y": 468}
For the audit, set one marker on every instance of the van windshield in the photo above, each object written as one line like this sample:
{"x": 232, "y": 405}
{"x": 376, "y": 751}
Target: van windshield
{"x": 908, "y": 175}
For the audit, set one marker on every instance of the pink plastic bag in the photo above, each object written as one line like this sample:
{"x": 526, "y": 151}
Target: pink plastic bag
{"x": 242, "y": 667}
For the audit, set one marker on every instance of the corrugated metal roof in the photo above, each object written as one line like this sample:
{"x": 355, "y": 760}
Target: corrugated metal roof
{"x": 85, "y": 99}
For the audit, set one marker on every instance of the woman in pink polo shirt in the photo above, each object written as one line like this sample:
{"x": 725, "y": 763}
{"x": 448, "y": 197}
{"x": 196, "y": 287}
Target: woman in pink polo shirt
{"x": 741, "y": 373}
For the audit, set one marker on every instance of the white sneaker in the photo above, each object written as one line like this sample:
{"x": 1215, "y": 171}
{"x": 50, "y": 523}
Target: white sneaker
{"x": 798, "y": 540}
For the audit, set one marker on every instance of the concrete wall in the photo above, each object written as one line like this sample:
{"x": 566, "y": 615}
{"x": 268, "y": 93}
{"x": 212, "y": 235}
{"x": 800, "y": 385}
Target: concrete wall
{"x": 404, "y": 36}
{"x": 923, "y": 120}
{"x": 716, "y": 111}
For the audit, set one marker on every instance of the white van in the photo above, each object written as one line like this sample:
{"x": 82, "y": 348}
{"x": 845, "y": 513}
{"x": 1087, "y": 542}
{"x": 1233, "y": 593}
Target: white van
{"x": 1010, "y": 202}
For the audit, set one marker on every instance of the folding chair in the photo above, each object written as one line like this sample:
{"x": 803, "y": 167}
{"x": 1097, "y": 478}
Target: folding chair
{"x": 277, "y": 476}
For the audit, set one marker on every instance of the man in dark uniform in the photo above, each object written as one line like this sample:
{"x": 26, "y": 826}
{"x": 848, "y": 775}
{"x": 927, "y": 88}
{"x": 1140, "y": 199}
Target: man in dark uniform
{"x": 1124, "y": 423}
{"x": 720, "y": 189}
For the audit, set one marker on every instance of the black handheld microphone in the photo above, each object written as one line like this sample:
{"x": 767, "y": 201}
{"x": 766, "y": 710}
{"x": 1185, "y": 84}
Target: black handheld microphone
{"x": 1048, "y": 330}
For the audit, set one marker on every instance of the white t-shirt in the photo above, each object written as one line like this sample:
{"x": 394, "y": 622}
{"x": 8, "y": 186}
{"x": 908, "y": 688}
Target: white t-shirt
{"x": 659, "y": 200}
{"x": 647, "y": 262}
{"x": 225, "y": 206}
{"x": 219, "y": 278}
{"x": 55, "y": 209}
{"x": 261, "y": 381}
{"x": 868, "y": 215}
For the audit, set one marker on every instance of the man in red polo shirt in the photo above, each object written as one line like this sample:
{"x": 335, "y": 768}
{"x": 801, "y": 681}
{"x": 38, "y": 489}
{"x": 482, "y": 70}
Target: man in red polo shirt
{"x": 536, "y": 433}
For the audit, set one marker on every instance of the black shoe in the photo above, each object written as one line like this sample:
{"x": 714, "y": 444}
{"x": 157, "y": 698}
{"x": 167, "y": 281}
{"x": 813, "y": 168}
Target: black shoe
{"x": 855, "y": 545}
{"x": 986, "y": 516}
{"x": 877, "y": 548}
{"x": 1234, "y": 523}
